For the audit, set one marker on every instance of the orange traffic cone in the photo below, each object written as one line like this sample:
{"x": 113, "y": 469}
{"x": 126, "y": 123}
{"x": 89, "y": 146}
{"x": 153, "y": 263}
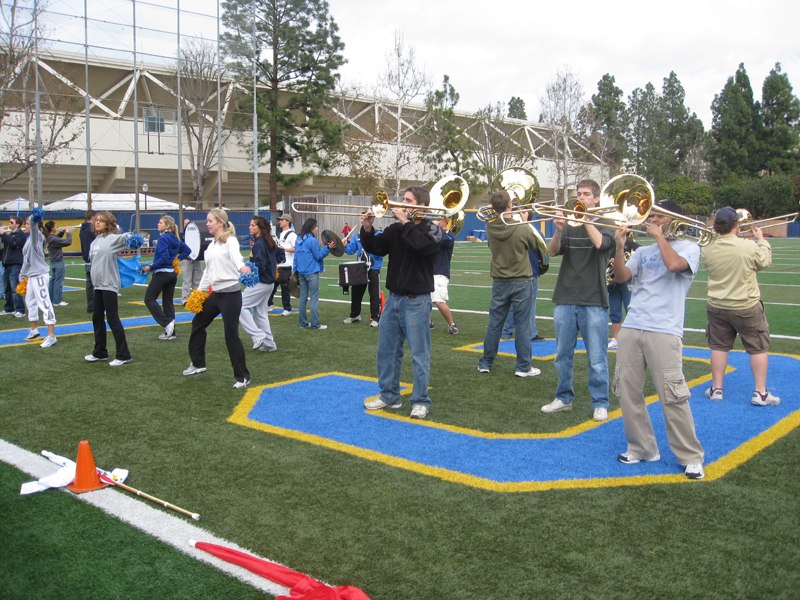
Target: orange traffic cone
{"x": 383, "y": 301}
{"x": 86, "y": 477}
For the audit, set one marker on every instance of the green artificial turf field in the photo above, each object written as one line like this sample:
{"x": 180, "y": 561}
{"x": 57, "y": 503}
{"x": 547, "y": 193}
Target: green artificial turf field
{"x": 343, "y": 518}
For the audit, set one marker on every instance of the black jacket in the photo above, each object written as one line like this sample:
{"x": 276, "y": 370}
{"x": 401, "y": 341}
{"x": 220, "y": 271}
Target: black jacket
{"x": 87, "y": 237}
{"x": 12, "y": 246}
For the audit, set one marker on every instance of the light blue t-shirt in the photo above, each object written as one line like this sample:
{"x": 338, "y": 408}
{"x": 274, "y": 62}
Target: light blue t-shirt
{"x": 658, "y": 300}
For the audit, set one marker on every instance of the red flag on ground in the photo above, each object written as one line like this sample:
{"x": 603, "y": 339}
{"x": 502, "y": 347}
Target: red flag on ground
{"x": 302, "y": 586}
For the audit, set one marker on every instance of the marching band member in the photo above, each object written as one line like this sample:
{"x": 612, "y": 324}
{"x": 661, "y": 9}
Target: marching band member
{"x": 619, "y": 295}
{"x": 412, "y": 245}
{"x": 168, "y": 248}
{"x": 652, "y": 338}
{"x": 308, "y": 257}
{"x": 581, "y": 301}
{"x": 56, "y": 242}
{"x": 734, "y": 303}
{"x": 224, "y": 264}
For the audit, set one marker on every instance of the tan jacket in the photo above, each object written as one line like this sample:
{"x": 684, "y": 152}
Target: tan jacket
{"x": 732, "y": 263}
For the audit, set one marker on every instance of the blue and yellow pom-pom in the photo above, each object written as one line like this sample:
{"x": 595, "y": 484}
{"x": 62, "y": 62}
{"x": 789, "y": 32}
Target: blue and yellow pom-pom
{"x": 249, "y": 279}
{"x": 37, "y": 214}
{"x": 176, "y": 266}
{"x": 22, "y": 287}
{"x": 140, "y": 268}
{"x": 194, "y": 303}
{"x": 135, "y": 242}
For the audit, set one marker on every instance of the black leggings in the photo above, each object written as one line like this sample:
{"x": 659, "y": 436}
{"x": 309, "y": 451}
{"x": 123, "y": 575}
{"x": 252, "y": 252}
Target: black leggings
{"x": 162, "y": 284}
{"x": 105, "y": 307}
{"x": 229, "y": 305}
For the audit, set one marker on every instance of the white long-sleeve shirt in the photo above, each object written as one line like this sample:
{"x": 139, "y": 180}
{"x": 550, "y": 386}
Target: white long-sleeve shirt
{"x": 223, "y": 261}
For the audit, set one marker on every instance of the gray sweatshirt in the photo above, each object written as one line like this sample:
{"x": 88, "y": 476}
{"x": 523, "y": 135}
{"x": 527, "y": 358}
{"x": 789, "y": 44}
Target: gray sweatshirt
{"x": 103, "y": 256}
{"x": 33, "y": 262}
{"x": 56, "y": 245}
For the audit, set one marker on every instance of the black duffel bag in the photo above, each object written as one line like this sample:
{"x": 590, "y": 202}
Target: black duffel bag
{"x": 282, "y": 275}
{"x": 352, "y": 273}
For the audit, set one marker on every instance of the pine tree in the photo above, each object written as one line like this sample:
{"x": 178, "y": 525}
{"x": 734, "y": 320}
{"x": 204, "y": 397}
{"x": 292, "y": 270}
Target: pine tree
{"x": 645, "y": 144}
{"x": 780, "y": 113}
{"x": 298, "y": 52}
{"x": 735, "y": 153}
{"x": 682, "y": 131}
{"x": 516, "y": 108}
{"x": 608, "y": 122}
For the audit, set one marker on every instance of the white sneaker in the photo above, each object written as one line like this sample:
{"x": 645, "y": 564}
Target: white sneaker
{"x": 694, "y": 471}
{"x": 630, "y": 459}
{"x": 92, "y": 358}
{"x": 484, "y": 370}
{"x": 271, "y": 307}
{"x": 612, "y": 345}
{"x": 556, "y": 406}
{"x": 170, "y": 329}
{"x": 240, "y": 384}
{"x": 349, "y": 320}
{"x": 32, "y": 334}
{"x": 419, "y": 411}
{"x": 257, "y": 344}
{"x": 714, "y": 394}
{"x": 768, "y": 400}
{"x": 164, "y": 336}
{"x": 320, "y": 327}
{"x": 49, "y": 341}
{"x": 532, "y": 373}
{"x": 19, "y": 314}
{"x": 378, "y": 404}
{"x": 62, "y": 304}
{"x": 118, "y": 363}
{"x": 192, "y": 370}
{"x": 600, "y": 414}
{"x": 286, "y": 313}
{"x": 374, "y": 323}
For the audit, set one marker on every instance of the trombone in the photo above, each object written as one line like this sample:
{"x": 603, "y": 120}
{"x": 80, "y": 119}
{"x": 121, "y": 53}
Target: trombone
{"x": 746, "y": 220}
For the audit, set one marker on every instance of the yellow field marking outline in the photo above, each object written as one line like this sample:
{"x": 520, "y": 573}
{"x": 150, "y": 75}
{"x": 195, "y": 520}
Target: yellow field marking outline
{"x": 713, "y": 471}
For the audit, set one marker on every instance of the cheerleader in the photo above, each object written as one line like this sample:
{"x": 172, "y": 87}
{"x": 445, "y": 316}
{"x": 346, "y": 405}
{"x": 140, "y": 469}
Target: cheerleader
{"x": 164, "y": 278}
{"x": 265, "y": 255}
{"x": 224, "y": 263}
{"x": 35, "y": 269}
{"x": 105, "y": 279}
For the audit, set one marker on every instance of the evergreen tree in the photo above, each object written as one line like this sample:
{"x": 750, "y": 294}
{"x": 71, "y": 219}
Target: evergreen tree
{"x": 448, "y": 149}
{"x": 682, "y": 131}
{"x": 297, "y": 54}
{"x": 607, "y": 123}
{"x": 780, "y": 113}
{"x": 646, "y": 147}
{"x": 516, "y": 108}
{"x": 735, "y": 123}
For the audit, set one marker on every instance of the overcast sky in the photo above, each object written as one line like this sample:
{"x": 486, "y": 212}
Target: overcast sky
{"x": 502, "y": 48}
{"x": 493, "y": 50}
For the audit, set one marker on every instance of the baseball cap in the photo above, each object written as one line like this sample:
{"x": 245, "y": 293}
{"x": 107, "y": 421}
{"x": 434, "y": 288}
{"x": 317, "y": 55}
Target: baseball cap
{"x": 670, "y": 205}
{"x": 285, "y": 217}
{"x": 726, "y": 215}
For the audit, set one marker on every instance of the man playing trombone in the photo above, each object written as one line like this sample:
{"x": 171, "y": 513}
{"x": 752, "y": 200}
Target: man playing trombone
{"x": 734, "y": 302}
{"x": 652, "y": 337}
{"x": 581, "y": 300}
{"x": 412, "y": 244}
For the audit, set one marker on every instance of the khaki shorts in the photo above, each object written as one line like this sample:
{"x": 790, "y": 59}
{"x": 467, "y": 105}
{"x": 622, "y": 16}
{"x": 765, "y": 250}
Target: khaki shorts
{"x": 440, "y": 283}
{"x": 749, "y": 323}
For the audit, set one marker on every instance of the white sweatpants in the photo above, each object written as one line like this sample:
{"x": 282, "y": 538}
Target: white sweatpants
{"x": 37, "y": 297}
{"x": 257, "y": 324}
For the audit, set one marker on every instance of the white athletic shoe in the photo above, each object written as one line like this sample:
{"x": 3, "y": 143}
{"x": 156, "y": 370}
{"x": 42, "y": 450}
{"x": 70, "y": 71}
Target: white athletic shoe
{"x": 533, "y": 372}
{"x": 49, "y": 341}
{"x": 93, "y": 358}
{"x": 62, "y": 304}
{"x": 170, "y": 329}
{"x": 257, "y": 344}
{"x": 556, "y": 406}
{"x": 286, "y": 313}
{"x": 118, "y": 363}
{"x": 32, "y": 334}
{"x": 349, "y": 320}
{"x": 241, "y": 384}
{"x": 192, "y": 370}
{"x": 600, "y": 414}
{"x": 419, "y": 411}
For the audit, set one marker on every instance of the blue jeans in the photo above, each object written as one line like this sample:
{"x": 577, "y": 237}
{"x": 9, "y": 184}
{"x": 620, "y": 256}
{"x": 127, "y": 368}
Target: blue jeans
{"x": 3, "y": 286}
{"x": 592, "y": 322}
{"x": 309, "y": 286}
{"x": 405, "y": 319}
{"x": 508, "y": 328}
{"x": 507, "y": 294}
{"x": 619, "y": 296}
{"x": 57, "y": 271}
{"x": 14, "y": 302}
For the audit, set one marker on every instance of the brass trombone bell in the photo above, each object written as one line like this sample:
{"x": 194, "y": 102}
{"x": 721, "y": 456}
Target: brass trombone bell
{"x": 455, "y": 223}
{"x": 520, "y": 183}
{"x": 626, "y": 198}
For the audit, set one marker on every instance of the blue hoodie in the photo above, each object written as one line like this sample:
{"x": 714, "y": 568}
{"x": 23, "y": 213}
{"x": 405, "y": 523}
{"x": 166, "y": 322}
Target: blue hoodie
{"x": 308, "y": 255}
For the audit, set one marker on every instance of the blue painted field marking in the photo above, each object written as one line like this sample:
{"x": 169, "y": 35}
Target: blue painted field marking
{"x": 327, "y": 410}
